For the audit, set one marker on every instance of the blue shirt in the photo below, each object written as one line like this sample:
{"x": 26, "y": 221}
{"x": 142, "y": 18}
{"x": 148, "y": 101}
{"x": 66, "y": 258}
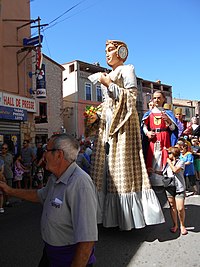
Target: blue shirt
{"x": 189, "y": 169}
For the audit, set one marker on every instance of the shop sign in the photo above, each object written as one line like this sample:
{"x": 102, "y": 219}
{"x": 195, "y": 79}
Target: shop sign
{"x": 40, "y": 82}
{"x": 14, "y": 101}
{"x": 16, "y": 114}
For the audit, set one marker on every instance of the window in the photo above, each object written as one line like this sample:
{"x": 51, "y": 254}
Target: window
{"x": 71, "y": 68}
{"x": 148, "y": 98}
{"x": 88, "y": 91}
{"x": 99, "y": 93}
{"x": 187, "y": 112}
{"x": 42, "y": 118}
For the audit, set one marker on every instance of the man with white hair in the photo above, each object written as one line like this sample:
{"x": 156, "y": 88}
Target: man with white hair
{"x": 68, "y": 223}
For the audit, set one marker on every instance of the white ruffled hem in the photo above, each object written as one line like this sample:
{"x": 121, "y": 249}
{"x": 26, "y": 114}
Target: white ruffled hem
{"x": 129, "y": 210}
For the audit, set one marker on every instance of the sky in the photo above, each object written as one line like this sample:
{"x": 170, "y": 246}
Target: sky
{"x": 163, "y": 36}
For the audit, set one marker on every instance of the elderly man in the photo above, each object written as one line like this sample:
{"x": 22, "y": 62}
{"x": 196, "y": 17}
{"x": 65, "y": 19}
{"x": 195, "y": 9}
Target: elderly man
{"x": 68, "y": 223}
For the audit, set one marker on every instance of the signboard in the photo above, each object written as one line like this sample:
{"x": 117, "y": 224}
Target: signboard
{"x": 39, "y": 58}
{"x": 15, "y": 114}
{"x": 15, "y": 101}
{"x": 33, "y": 41}
{"x": 40, "y": 82}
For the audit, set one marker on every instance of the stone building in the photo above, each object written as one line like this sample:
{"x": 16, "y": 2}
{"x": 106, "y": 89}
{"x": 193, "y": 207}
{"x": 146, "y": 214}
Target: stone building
{"x": 48, "y": 116}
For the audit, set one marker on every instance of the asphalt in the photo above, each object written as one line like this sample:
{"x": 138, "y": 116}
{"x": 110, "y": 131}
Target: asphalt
{"x": 21, "y": 244}
{"x": 153, "y": 245}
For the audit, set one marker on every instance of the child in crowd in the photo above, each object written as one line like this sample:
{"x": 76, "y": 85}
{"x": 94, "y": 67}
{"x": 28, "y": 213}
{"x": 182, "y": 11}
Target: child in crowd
{"x": 189, "y": 172}
{"x": 19, "y": 169}
{"x": 2, "y": 178}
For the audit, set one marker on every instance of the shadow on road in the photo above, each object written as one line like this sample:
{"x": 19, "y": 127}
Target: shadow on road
{"x": 116, "y": 248}
{"x": 192, "y": 220}
{"x": 22, "y": 244}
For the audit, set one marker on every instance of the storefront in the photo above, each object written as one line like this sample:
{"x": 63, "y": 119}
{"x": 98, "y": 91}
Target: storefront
{"x": 13, "y": 112}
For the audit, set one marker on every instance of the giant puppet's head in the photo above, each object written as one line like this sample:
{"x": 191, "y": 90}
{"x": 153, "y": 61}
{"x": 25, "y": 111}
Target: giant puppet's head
{"x": 119, "y": 47}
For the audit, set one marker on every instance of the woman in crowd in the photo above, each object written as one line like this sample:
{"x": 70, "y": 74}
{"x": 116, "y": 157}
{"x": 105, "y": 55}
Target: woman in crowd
{"x": 176, "y": 193}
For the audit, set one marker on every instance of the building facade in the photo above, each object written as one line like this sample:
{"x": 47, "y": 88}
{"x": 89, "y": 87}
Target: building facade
{"x": 48, "y": 117}
{"x": 16, "y": 105}
{"x": 190, "y": 108}
{"x": 25, "y": 113}
{"x": 78, "y": 92}
{"x": 147, "y": 89}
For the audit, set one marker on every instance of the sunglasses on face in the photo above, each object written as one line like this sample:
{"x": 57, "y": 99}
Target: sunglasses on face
{"x": 4, "y": 148}
{"x": 169, "y": 153}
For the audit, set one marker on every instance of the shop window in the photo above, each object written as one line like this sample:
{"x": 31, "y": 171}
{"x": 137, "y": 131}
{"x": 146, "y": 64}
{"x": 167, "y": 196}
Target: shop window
{"x": 42, "y": 118}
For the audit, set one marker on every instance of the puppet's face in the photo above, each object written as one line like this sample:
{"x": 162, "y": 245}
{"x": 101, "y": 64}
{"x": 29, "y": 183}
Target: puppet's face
{"x": 178, "y": 116}
{"x": 158, "y": 99}
{"x": 111, "y": 55}
{"x": 194, "y": 120}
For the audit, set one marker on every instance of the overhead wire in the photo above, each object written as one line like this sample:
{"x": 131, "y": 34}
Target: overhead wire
{"x": 44, "y": 28}
{"x": 67, "y": 11}
{"x": 47, "y": 43}
{"x": 48, "y": 27}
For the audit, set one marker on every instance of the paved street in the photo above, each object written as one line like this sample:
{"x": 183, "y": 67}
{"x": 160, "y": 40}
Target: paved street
{"x": 21, "y": 244}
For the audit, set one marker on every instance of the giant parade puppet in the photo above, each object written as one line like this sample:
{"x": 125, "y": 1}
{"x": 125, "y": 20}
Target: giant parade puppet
{"x": 160, "y": 131}
{"x": 125, "y": 197}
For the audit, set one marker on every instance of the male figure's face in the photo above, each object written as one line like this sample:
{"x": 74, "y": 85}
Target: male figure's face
{"x": 51, "y": 157}
{"x": 194, "y": 120}
{"x": 158, "y": 99}
{"x": 4, "y": 149}
{"x": 25, "y": 144}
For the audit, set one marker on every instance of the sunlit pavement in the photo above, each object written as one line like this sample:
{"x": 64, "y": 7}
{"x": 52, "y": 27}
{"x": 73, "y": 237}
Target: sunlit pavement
{"x": 21, "y": 244}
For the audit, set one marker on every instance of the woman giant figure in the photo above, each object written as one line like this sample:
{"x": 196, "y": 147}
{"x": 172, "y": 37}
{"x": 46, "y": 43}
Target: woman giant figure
{"x": 118, "y": 168}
